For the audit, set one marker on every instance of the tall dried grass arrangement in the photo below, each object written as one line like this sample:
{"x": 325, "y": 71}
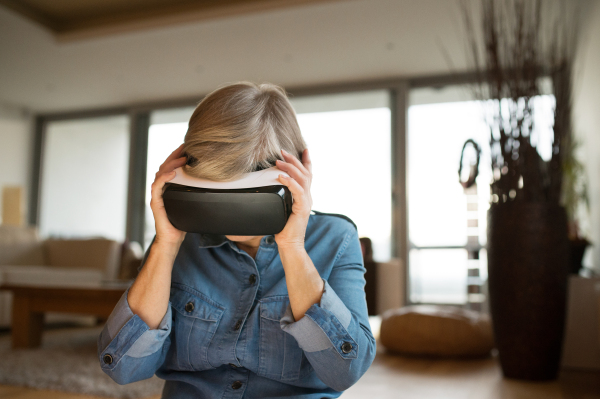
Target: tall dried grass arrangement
{"x": 513, "y": 45}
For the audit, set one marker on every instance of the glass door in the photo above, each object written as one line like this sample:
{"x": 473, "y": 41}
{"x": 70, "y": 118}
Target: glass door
{"x": 447, "y": 224}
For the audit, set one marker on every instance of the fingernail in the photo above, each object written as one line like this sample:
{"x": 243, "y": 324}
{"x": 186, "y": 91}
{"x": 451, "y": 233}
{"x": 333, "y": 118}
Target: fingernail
{"x": 284, "y": 151}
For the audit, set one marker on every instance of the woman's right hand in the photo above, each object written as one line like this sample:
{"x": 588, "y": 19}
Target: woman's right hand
{"x": 166, "y": 234}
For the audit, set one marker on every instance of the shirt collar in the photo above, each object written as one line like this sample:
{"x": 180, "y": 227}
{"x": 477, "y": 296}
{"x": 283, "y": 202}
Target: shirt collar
{"x": 216, "y": 240}
{"x": 211, "y": 240}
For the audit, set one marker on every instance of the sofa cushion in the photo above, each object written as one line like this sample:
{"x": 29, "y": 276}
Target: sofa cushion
{"x": 48, "y": 276}
{"x": 441, "y": 331}
{"x": 20, "y": 246}
{"x": 97, "y": 253}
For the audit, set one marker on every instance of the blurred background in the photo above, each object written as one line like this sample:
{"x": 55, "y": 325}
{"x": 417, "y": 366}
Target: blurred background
{"x": 96, "y": 94}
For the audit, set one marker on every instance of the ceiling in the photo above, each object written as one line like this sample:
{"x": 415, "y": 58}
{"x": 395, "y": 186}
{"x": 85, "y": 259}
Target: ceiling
{"x": 318, "y": 43}
{"x": 77, "y": 19}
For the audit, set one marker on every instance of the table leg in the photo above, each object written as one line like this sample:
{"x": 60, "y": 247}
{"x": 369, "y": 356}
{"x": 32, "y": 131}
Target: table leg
{"x": 26, "y": 325}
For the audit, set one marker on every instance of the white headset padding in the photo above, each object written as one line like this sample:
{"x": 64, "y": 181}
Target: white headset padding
{"x": 262, "y": 178}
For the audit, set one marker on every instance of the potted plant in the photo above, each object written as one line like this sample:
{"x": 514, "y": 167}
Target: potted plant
{"x": 516, "y": 46}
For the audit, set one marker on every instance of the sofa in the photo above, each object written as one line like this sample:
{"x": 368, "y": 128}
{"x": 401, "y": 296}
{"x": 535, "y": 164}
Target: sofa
{"x": 25, "y": 259}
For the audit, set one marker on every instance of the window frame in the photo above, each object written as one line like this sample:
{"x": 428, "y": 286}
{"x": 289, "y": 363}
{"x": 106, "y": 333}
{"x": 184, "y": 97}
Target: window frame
{"x": 139, "y": 117}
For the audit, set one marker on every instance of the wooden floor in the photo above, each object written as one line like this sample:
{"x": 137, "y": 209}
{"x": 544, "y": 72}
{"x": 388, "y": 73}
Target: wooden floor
{"x": 405, "y": 378}
{"x": 395, "y": 377}
{"x": 399, "y": 377}
{"x": 10, "y": 392}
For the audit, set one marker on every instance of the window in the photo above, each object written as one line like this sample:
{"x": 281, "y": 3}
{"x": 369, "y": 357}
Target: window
{"x": 166, "y": 133}
{"x": 349, "y": 136}
{"x": 349, "y": 139}
{"x": 85, "y": 167}
{"x": 447, "y": 227}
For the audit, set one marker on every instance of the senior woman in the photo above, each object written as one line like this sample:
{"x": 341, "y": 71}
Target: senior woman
{"x": 245, "y": 317}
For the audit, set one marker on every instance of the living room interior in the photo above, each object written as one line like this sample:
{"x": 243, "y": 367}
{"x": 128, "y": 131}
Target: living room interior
{"x": 467, "y": 298}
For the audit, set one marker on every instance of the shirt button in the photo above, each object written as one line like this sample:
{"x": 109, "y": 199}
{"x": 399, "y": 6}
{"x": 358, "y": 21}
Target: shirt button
{"x": 108, "y": 359}
{"x": 237, "y": 325}
{"x": 236, "y": 385}
{"x": 252, "y": 278}
{"x": 346, "y": 347}
{"x": 269, "y": 240}
{"x": 189, "y": 307}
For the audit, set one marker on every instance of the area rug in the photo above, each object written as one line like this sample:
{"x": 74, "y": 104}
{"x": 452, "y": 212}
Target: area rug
{"x": 67, "y": 361}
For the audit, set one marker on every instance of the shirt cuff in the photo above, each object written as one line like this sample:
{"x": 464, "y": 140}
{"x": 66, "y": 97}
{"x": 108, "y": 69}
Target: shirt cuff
{"x": 127, "y": 334}
{"x": 323, "y": 326}
{"x": 122, "y": 313}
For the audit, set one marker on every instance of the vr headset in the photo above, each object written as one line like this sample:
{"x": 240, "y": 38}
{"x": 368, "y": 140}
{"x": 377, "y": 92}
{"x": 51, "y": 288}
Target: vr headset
{"x": 256, "y": 204}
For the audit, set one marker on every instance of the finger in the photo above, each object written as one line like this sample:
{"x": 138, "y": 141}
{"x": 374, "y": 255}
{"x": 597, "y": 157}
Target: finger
{"x": 175, "y": 154}
{"x": 295, "y": 188}
{"x": 293, "y": 171}
{"x": 306, "y": 160}
{"x": 156, "y": 189}
{"x": 161, "y": 179}
{"x": 173, "y": 164}
{"x": 294, "y": 161}
{"x": 167, "y": 166}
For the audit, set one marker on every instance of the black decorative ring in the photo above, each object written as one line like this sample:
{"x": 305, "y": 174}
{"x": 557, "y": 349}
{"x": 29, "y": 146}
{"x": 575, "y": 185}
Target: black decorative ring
{"x": 474, "y": 170}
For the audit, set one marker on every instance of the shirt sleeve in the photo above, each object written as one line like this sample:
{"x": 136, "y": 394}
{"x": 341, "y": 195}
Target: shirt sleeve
{"x": 128, "y": 350}
{"x": 335, "y": 333}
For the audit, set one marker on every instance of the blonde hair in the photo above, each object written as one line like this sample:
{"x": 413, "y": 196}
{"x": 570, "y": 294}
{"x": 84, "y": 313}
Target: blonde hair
{"x": 241, "y": 128}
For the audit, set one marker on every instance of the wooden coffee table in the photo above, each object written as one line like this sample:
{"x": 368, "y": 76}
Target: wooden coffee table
{"x": 31, "y": 302}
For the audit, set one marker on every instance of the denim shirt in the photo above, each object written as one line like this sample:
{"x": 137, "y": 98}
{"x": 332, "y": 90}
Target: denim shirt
{"x": 229, "y": 331}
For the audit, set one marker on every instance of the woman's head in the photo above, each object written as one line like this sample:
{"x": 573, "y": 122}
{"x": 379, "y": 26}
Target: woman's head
{"x": 241, "y": 128}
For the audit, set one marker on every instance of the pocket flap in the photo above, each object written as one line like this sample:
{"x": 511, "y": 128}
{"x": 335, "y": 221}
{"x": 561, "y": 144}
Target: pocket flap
{"x": 192, "y": 303}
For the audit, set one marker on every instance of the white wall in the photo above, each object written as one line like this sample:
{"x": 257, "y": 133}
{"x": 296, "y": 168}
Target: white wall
{"x": 16, "y": 146}
{"x": 587, "y": 119}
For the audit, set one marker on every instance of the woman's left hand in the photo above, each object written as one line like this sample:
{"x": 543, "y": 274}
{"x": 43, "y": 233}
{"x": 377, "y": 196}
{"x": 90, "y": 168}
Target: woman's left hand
{"x": 292, "y": 235}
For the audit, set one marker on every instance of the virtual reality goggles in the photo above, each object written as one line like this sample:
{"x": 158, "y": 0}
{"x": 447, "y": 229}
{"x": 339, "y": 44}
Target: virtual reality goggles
{"x": 256, "y": 204}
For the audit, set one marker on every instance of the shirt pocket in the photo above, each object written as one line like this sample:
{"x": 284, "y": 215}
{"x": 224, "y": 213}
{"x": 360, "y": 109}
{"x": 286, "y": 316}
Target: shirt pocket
{"x": 280, "y": 357}
{"x": 195, "y": 321}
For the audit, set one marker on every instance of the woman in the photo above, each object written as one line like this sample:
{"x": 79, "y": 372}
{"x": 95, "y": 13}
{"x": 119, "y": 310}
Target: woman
{"x": 244, "y": 317}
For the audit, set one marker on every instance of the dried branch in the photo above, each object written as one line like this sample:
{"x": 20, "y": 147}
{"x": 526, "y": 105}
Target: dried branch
{"x": 519, "y": 43}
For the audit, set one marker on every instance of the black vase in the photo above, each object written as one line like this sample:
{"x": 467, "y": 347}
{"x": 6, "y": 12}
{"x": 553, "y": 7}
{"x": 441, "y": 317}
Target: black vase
{"x": 528, "y": 262}
{"x": 577, "y": 247}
